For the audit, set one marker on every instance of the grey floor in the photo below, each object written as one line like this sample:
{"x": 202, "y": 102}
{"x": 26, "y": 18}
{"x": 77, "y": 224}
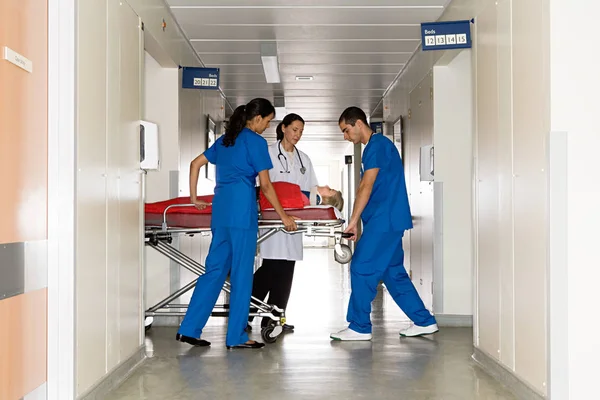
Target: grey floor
{"x": 306, "y": 364}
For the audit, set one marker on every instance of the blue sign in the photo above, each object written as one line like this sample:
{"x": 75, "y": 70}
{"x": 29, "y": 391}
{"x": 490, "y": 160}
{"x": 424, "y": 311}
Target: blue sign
{"x": 446, "y": 35}
{"x": 200, "y": 78}
{"x": 377, "y": 127}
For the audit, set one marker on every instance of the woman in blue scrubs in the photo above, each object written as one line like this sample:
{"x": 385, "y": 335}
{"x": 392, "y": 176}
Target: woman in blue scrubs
{"x": 239, "y": 155}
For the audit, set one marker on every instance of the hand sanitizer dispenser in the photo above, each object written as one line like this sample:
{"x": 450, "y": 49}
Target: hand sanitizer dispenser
{"x": 426, "y": 167}
{"x": 149, "y": 152}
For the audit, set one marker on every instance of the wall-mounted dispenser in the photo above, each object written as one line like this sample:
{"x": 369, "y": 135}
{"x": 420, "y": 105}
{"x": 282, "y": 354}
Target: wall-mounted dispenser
{"x": 426, "y": 166}
{"x": 149, "y": 151}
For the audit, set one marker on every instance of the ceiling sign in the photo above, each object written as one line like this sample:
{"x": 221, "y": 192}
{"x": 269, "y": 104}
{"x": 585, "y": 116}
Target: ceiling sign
{"x": 446, "y": 35}
{"x": 200, "y": 78}
{"x": 377, "y": 127}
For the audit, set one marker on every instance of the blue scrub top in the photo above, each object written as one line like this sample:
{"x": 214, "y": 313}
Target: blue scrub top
{"x": 388, "y": 209}
{"x": 234, "y": 204}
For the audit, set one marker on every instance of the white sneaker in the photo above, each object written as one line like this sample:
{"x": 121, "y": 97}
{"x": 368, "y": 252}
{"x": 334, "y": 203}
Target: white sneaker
{"x": 415, "y": 330}
{"x": 350, "y": 335}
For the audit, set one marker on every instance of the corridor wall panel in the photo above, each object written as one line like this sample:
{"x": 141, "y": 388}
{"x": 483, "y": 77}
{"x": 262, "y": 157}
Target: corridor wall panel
{"x": 531, "y": 125}
{"x": 109, "y": 253}
{"x": 109, "y": 328}
{"x": 512, "y": 120}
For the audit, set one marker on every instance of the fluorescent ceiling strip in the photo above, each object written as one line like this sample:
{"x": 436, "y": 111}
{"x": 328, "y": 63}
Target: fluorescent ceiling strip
{"x": 268, "y": 55}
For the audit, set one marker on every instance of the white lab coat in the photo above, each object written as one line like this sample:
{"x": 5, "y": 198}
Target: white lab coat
{"x": 283, "y": 246}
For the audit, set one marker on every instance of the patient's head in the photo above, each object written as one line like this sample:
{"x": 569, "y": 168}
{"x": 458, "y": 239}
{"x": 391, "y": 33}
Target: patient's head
{"x": 331, "y": 197}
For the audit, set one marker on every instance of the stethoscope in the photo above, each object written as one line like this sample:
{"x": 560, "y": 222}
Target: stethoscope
{"x": 287, "y": 167}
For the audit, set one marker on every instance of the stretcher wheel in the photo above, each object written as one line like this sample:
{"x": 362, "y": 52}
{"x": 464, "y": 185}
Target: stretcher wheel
{"x": 267, "y": 334}
{"x": 148, "y": 323}
{"x": 343, "y": 254}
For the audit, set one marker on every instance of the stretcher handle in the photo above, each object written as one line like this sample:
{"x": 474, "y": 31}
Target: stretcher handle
{"x": 164, "y": 224}
{"x": 346, "y": 235}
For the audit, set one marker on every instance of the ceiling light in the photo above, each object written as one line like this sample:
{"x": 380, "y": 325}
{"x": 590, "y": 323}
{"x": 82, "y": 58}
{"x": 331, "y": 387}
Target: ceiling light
{"x": 304, "y": 78}
{"x": 268, "y": 55}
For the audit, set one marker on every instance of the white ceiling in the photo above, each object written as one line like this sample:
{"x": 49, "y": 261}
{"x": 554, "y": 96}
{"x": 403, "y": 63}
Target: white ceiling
{"x": 354, "y": 49}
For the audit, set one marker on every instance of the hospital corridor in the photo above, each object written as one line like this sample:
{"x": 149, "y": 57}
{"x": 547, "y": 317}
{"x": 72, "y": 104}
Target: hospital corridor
{"x": 299, "y": 199}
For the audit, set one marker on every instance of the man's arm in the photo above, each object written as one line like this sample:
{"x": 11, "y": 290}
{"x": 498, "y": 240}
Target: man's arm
{"x": 362, "y": 198}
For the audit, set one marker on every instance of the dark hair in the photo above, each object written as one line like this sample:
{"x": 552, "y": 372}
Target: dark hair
{"x": 287, "y": 121}
{"x": 353, "y": 114}
{"x": 243, "y": 114}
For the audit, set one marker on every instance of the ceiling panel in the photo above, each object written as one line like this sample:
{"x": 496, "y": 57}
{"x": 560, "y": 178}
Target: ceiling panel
{"x": 309, "y": 69}
{"x": 359, "y": 81}
{"x": 309, "y": 58}
{"x": 328, "y": 103}
{"x": 303, "y": 47}
{"x": 300, "y": 92}
{"x": 329, "y": 16}
{"x": 224, "y": 32}
{"x": 308, "y": 3}
{"x": 358, "y": 85}
{"x": 353, "y": 48}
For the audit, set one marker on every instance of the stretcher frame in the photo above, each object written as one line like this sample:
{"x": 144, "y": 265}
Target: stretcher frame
{"x": 160, "y": 238}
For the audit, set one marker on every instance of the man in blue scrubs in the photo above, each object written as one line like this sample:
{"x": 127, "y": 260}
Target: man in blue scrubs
{"x": 382, "y": 203}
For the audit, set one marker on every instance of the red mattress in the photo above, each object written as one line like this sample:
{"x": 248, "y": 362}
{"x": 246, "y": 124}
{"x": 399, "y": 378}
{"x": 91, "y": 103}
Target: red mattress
{"x": 191, "y": 217}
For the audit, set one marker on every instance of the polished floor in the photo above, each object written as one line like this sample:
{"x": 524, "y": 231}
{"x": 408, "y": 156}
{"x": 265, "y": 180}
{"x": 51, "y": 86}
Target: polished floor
{"x": 306, "y": 364}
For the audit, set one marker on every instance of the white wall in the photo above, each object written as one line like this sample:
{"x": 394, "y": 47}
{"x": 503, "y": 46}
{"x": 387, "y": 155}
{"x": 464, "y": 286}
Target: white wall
{"x": 108, "y": 194}
{"x": 109, "y": 103}
{"x": 512, "y": 124}
{"x": 512, "y": 113}
{"x": 574, "y": 216}
{"x": 453, "y": 143}
{"x": 420, "y": 244}
{"x": 161, "y": 106}
{"x": 194, "y": 106}
{"x": 185, "y": 133}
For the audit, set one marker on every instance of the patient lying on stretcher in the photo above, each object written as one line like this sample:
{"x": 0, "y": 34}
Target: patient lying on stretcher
{"x": 289, "y": 194}
{"x": 324, "y": 195}
{"x": 291, "y": 197}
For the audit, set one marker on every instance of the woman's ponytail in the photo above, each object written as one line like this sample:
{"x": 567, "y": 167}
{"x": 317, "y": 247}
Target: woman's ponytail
{"x": 237, "y": 122}
{"x": 243, "y": 114}
{"x": 279, "y": 131}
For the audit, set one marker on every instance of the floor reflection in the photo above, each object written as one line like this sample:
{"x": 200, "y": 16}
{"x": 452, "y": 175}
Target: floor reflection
{"x": 306, "y": 364}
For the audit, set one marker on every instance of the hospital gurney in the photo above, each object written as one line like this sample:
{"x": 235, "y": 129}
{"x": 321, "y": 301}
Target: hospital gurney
{"x": 165, "y": 219}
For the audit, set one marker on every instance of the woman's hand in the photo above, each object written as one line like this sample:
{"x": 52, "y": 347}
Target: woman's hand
{"x": 200, "y": 204}
{"x": 289, "y": 223}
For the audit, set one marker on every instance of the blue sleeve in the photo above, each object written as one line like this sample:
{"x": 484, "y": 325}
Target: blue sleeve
{"x": 211, "y": 152}
{"x": 259, "y": 154}
{"x": 375, "y": 155}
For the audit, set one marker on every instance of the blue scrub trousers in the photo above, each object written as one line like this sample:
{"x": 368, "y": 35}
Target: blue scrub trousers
{"x": 230, "y": 249}
{"x": 379, "y": 256}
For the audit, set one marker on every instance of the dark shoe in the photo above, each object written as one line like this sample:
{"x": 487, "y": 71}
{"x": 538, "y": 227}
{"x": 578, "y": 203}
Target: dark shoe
{"x": 255, "y": 345}
{"x": 192, "y": 341}
{"x": 288, "y": 328}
